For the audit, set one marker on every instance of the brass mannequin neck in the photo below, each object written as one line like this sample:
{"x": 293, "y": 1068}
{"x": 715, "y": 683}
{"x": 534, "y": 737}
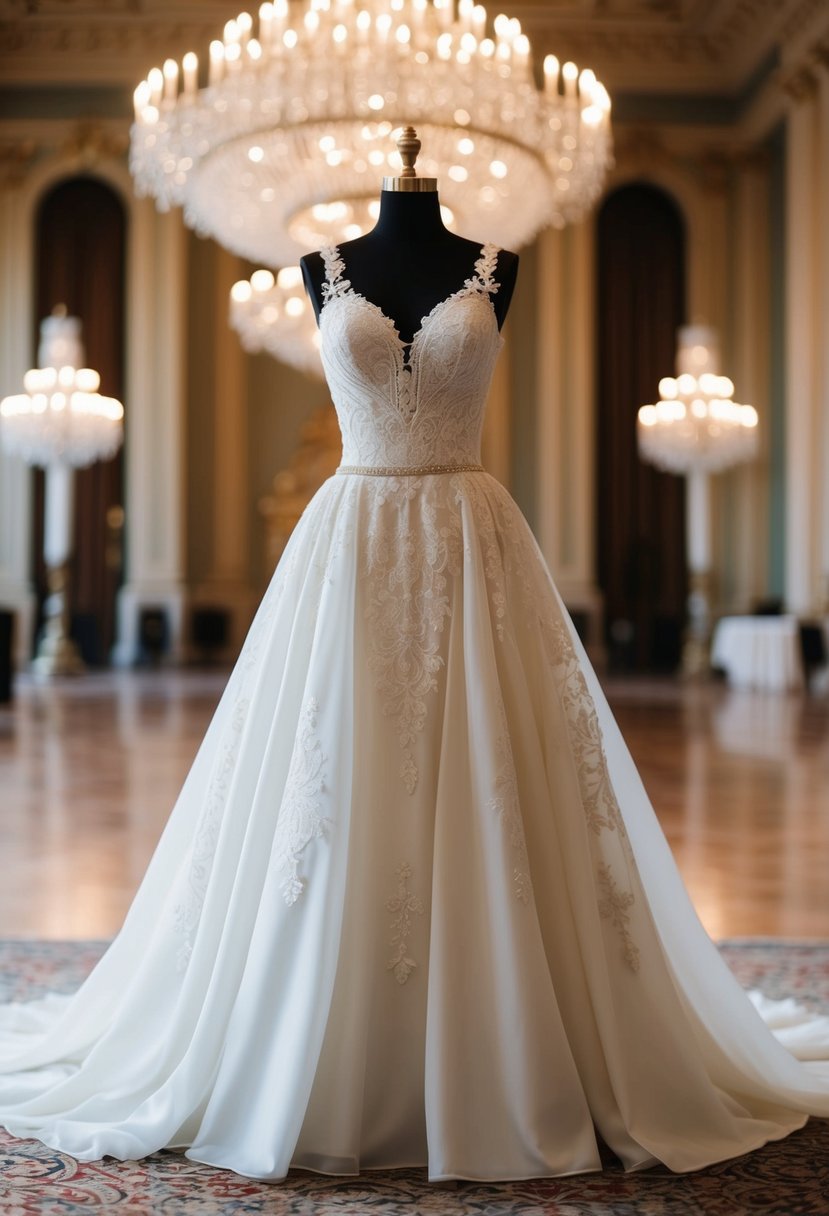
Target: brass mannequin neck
{"x": 418, "y": 185}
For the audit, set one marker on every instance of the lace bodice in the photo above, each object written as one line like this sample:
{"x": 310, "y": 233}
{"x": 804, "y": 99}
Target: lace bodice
{"x": 410, "y": 405}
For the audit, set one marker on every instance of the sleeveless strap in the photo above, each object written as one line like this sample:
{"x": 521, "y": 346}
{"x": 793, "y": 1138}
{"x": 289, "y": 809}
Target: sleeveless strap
{"x": 483, "y": 275}
{"x": 335, "y": 284}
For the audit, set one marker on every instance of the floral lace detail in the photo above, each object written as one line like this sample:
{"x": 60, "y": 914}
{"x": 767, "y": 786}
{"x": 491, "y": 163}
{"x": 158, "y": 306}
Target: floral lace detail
{"x": 496, "y": 561}
{"x": 615, "y": 906}
{"x": 600, "y": 805}
{"x": 506, "y": 806}
{"x": 510, "y": 550}
{"x": 482, "y": 278}
{"x": 260, "y": 629}
{"x": 300, "y": 816}
{"x": 404, "y": 906}
{"x": 601, "y": 808}
{"x": 408, "y": 604}
{"x": 187, "y": 912}
{"x": 334, "y": 284}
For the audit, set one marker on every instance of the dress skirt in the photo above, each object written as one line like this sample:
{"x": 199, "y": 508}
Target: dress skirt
{"x": 412, "y": 906}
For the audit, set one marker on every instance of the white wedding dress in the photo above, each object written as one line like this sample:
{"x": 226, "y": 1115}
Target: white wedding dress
{"x": 412, "y": 906}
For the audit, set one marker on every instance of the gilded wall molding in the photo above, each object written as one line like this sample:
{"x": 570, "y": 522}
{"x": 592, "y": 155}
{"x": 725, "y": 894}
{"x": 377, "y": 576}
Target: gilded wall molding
{"x": 16, "y": 159}
{"x": 80, "y": 145}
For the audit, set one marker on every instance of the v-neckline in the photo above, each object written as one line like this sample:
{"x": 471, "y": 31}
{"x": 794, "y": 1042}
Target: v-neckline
{"x": 406, "y": 360}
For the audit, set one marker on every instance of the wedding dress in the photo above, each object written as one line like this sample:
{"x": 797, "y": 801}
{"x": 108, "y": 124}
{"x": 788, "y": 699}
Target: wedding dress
{"x": 412, "y": 905}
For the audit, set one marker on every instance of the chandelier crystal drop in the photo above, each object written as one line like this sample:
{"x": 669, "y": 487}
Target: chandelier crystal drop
{"x": 272, "y": 313}
{"x": 61, "y": 417}
{"x": 696, "y": 426}
{"x": 299, "y": 108}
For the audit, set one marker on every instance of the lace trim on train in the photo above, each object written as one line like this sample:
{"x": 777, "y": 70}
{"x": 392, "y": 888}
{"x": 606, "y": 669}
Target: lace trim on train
{"x": 615, "y": 906}
{"x": 601, "y": 808}
{"x": 404, "y": 906}
{"x": 300, "y": 816}
{"x": 408, "y": 605}
{"x": 506, "y": 805}
{"x": 199, "y": 862}
{"x": 507, "y": 549}
{"x": 187, "y": 912}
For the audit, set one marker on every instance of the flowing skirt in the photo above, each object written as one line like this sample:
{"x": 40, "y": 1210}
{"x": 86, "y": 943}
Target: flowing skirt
{"x": 412, "y": 906}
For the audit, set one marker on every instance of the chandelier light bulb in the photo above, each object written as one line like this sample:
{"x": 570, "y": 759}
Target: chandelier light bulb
{"x": 262, "y": 280}
{"x": 289, "y": 277}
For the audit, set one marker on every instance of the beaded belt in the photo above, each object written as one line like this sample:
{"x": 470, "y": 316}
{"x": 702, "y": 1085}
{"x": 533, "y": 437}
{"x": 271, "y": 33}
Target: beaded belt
{"x": 408, "y": 471}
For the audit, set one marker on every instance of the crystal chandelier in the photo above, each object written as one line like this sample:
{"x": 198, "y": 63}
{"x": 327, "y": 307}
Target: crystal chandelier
{"x": 300, "y": 116}
{"x": 62, "y": 423}
{"x": 61, "y": 417}
{"x": 272, "y": 313}
{"x": 696, "y": 426}
{"x": 696, "y": 429}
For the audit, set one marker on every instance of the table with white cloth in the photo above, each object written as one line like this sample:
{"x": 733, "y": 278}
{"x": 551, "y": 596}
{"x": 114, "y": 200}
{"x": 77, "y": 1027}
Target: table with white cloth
{"x": 759, "y": 651}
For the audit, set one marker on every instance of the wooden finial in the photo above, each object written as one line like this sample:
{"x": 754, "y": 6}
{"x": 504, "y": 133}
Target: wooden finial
{"x": 408, "y": 145}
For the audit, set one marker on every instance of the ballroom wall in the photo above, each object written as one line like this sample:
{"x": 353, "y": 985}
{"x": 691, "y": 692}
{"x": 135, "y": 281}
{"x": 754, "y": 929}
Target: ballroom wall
{"x": 209, "y": 426}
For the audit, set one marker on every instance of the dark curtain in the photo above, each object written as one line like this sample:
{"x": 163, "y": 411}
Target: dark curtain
{"x": 641, "y": 512}
{"x": 80, "y": 244}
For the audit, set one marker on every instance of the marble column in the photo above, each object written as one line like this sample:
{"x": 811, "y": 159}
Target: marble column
{"x": 227, "y": 584}
{"x": 707, "y": 258}
{"x": 154, "y": 422}
{"x": 823, "y": 325}
{"x": 746, "y": 488}
{"x": 16, "y": 357}
{"x": 565, "y": 478}
{"x": 806, "y": 241}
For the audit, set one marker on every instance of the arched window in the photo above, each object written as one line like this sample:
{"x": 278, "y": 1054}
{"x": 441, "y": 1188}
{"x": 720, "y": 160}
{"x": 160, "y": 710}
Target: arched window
{"x": 80, "y": 241}
{"x": 640, "y": 512}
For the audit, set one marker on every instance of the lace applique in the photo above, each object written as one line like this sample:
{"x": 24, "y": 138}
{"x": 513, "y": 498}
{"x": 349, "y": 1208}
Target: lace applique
{"x": 187, "y": 912}
{"x": 408, "y": 605}
{"x": 482, "y": 278}
{"x": 260, "y": 628}
{"x": 404, "y": 906}
{"x": 615, "y": 906}
{"x": 335, "y": 284}
{"x": 343, "y": 535}
{"x": 496, "y": 562}
{"x": 600, "y": 805}
{"x": 506, "y": 806}
{"x": 509, "y": 548}
{"x": 601, "y": 808}
{"x": 300, "y": 818}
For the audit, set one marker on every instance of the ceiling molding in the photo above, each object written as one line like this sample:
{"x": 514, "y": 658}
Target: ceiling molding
{"x": 681, "y": 47}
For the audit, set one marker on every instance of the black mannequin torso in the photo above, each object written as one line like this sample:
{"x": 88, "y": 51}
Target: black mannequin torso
{"x": 410, "y": 262}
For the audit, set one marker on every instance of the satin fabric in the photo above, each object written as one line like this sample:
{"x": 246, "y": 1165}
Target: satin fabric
{"x": 272, "y": 1025}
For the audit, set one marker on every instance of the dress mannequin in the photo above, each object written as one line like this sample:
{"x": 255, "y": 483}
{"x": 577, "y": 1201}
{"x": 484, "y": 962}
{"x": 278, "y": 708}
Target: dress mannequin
{"x": 409, "y": 262}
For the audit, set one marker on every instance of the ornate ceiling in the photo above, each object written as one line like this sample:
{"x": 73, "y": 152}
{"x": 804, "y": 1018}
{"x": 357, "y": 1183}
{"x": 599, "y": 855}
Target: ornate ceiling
{"x": 638, "y": 46}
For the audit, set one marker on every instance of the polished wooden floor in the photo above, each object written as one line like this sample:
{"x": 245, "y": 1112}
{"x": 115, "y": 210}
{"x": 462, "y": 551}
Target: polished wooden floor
{"x": 90, "y": 768}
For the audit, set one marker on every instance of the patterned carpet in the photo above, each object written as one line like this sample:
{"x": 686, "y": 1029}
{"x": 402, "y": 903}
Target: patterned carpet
{"x": 790, "y": 1178}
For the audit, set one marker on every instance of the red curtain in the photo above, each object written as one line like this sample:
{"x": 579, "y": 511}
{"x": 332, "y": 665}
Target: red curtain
{"x": 641, "y": 512}
{"x": 80, "y": 247}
